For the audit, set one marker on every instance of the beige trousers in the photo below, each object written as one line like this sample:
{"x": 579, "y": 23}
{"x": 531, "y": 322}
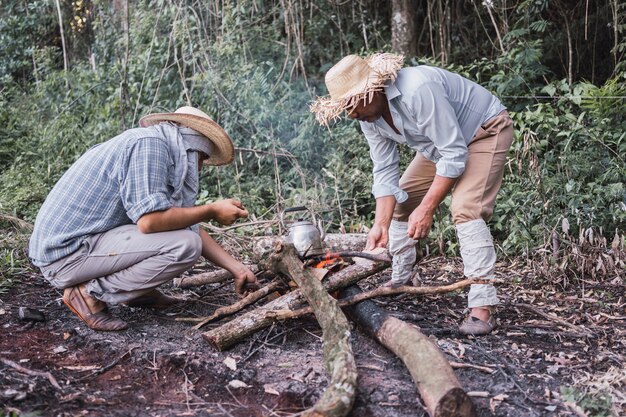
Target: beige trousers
{"x": 123, "y": 263}
{"x": 473, "y": 199}
{"x": 474, "y": 194}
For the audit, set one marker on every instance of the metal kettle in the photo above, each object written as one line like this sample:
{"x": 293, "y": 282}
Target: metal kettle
{"x": 306, "y": 236}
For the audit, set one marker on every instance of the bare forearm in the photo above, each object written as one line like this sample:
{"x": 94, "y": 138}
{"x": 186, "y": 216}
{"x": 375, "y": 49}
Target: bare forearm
{"x": 214, "y": 253}
{"x": 174, "y": 218}
{"x": 384, "y": 210}
{"x": 438, "y": 190}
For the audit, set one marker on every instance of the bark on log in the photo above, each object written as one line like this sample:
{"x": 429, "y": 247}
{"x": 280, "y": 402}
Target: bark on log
{"x": 437, "y": 384}
{"x": 230, "y": 333}
{"x": 211, "y": 277}
{"x": 338, "y": 396}
{"x": 335, "y": 242}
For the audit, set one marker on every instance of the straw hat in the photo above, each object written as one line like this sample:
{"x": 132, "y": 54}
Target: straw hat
{"x": 354, "y": 79}
{"x": 223, "y": 149}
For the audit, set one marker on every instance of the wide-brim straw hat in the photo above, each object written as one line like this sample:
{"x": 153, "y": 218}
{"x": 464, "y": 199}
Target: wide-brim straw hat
{"x": 223, "y": 148}
{"x": 354, "y": 79}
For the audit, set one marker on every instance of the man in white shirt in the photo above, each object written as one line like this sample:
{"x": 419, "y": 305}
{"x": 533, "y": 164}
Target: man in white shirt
{"x": 460, "y": 133}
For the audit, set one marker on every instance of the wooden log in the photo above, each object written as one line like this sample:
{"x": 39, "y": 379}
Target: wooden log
{"x": 335, "y": 242}
{"x": 210, "y": 277}
{"x": 436, "y": 382}
{"x": 338, "y": 397}
{"x": 228, "y": 334}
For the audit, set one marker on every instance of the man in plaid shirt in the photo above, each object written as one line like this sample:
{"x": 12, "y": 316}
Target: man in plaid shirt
{"x": 122, "y": 220}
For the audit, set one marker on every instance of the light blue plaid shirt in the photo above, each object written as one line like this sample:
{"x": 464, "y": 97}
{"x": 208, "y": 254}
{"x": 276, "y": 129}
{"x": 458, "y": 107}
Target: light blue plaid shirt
{"x": 114, "y": 183}
{"x": 437, "y": 113}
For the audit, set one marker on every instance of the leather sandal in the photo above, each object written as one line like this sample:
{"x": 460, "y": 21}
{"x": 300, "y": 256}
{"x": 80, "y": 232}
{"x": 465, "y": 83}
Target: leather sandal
{"x": 154, "y": 299}
{"x": 476, "y": 327}
{"x": 91, "y": 310}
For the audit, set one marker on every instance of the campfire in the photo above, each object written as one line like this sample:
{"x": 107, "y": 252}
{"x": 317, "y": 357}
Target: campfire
{"x": 330, "y": 261}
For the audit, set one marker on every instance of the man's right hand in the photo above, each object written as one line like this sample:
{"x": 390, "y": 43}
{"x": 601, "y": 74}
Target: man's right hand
{"x": 227, "y": 211}
{"x": 377, "y": 237}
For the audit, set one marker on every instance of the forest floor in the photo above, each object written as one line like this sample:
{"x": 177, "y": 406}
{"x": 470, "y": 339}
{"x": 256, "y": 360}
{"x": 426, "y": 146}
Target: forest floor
{"x": 560, "y": 350}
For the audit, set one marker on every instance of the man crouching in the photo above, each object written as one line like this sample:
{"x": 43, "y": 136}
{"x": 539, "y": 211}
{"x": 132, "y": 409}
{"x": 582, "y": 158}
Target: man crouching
{"x": 122, "y": 220}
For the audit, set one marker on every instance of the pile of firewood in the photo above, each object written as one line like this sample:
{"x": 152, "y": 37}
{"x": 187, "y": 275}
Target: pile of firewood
{"x": 436, "y": 382}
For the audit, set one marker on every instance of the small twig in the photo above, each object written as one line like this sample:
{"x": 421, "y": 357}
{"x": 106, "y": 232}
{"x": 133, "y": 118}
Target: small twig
{"x": 107, "y": 367}
{"x": 236, "y": 226}
{"x": 27, "y": 371}
{"x": 244, "y": 302}
{"x": 459, "y": 365}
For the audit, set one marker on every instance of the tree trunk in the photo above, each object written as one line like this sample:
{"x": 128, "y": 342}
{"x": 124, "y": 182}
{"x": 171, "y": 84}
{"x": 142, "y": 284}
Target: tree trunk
{"x": 436, "y": 382}
{"x": 403, "y": 30}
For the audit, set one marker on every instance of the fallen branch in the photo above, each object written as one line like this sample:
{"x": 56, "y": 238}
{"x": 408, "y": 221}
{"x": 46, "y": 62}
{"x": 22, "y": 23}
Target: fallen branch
{"x": 436, "y": 382}
{"x": 338, "y": 396}
{"x": 211, "y": 277}
{"x": 378, "y": 292}
{"x": 244, "y": 302}
{"x": 228, "y": 334}
{"x": 27, "y": 371}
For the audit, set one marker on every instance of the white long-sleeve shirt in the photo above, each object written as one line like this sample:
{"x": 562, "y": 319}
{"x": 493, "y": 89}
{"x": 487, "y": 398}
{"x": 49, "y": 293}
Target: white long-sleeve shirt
{"x": 437, "y": 114}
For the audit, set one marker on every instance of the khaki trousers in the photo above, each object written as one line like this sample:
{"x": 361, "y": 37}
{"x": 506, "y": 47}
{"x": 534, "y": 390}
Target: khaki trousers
{"x": 473, "y": 200}
{"x": 123, "y": 263}
{"x": 474, "y": 194}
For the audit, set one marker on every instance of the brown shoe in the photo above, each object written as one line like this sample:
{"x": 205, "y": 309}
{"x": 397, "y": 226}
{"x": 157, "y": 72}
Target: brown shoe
{"x": 91, "y": 310}
{"x": 154, "y": 299}
{"x": 477, "y": 327}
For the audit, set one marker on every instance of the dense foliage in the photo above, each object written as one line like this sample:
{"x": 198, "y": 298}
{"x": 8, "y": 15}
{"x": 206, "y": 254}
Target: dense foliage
{"x": 255, "y": 66}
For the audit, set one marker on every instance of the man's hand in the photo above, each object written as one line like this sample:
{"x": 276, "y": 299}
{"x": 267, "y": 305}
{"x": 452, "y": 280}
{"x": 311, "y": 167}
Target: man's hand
{"x": 227, "y": 211}
{"x": 245, "y": 281}
{"x": 377, "y": 237}
{"x": 420, "y": 222}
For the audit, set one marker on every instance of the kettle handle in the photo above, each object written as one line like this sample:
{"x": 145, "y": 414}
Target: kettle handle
{"x": 317, "y": 222}
{"x": 289, "y": 210}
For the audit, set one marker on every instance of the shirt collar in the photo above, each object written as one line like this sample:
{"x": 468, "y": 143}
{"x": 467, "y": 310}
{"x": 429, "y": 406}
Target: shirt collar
{"x": 391, "y": 91}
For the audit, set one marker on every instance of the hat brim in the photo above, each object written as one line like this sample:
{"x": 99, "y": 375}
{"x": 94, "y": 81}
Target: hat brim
{"x": 224, "y": 150}
{"x": 384, "y": 67}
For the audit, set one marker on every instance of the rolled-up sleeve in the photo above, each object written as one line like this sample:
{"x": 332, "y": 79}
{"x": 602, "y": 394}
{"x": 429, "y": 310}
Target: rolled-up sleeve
{"x": 143, "y": 185}
{"x": 435, "y": 117}
{"x": 386, "y": 161}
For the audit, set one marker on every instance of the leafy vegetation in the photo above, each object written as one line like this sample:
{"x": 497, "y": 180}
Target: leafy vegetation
{"x": 255, "y": 66}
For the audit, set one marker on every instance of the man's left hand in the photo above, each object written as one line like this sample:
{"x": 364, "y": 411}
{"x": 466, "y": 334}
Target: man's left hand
{"x": 420, "y": 222}
{"x": 245, "y": 281}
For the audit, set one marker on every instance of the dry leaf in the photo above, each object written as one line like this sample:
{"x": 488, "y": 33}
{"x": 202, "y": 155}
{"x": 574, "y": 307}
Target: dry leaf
{"x": 496, "y": 400}
{"x": 235, "y": 383}
{"x": 59, "y": 349}
{"x": 270, "y": 389}
{"x": 231, "y": 363}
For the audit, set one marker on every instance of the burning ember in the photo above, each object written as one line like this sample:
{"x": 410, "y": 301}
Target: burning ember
{"x": 330, "y": 260}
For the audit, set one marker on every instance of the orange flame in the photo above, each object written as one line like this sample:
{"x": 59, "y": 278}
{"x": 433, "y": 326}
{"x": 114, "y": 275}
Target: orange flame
{"x": 329, "y": 260}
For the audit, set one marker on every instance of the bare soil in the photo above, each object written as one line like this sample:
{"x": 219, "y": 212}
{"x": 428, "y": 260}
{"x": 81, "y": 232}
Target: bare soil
{"x": 559, "y": 351}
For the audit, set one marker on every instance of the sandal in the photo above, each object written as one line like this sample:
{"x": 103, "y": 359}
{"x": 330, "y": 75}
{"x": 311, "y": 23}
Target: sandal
{"x": 476, "y": 327}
